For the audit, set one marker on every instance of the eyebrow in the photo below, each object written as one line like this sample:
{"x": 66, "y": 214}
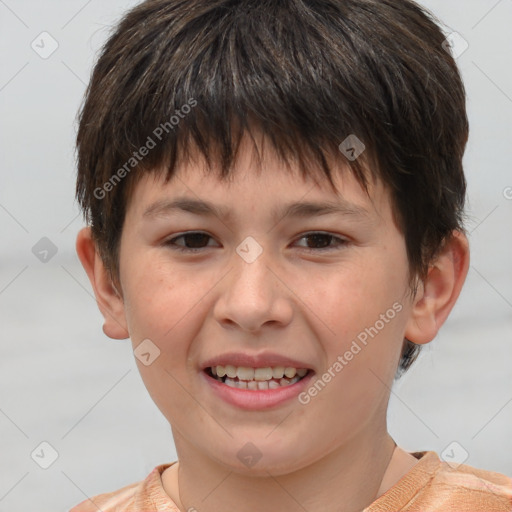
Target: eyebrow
{"x": 295, "y": 209}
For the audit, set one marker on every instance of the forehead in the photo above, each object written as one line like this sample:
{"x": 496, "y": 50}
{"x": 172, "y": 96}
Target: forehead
{"x": 259, "y": 181}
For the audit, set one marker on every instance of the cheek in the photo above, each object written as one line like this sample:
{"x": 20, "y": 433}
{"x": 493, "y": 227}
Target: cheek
{"x": 157, "y": 296}
{"x": 365, "y": 310}
{"x": 158, "y": 303}
{"x": 354, "y": 297}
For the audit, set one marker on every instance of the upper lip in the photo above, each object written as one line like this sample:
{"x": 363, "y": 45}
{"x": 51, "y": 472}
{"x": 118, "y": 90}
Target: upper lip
{"x": 262, "y": 360}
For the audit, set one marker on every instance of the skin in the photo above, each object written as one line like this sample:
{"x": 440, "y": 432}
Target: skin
{"x": 296, "y": 299}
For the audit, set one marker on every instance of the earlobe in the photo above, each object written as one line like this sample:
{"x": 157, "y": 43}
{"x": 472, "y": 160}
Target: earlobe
{"x": 439, "y": 291}
{"x": 108, "y": 298}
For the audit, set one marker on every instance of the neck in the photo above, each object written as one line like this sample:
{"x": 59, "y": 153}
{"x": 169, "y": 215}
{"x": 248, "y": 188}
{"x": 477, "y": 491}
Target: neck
{"x": 347, "y": 479}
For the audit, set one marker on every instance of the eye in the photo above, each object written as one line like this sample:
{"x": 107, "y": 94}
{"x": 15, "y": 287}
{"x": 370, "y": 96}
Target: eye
{"x": 323, "y": 239}
{"x": 199, "y": 240}
{"x": 196, "y": 237}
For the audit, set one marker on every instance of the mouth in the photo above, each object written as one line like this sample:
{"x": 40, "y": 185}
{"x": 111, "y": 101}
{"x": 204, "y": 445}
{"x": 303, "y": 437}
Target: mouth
{"x": 257, "y": 379}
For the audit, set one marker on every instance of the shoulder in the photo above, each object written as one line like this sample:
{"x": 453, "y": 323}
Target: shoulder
{"x": 141, "y": 495}
{"x": 437, "y": 486}
{"x": 110, "y": 501}
{"x": 471, "y": 488}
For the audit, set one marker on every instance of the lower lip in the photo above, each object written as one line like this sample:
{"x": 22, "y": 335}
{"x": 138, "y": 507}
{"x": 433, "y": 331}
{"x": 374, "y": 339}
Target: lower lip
{"x": 252, "y": 399}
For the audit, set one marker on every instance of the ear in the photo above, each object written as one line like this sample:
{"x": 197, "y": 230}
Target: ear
{"x": 438, "y": 293}
{"x": 109, "y": 301}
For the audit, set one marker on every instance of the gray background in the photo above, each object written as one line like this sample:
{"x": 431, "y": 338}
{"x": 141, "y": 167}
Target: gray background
{"x": 62, "y": 381}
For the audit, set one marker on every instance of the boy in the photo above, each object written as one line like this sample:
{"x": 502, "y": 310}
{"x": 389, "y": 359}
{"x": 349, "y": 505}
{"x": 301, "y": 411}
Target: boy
{"x": 217, "y": 136}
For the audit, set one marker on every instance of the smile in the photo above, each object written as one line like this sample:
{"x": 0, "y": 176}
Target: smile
{"x": 243, "y": 377}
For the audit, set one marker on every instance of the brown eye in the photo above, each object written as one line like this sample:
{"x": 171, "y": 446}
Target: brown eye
{"x": 323, "y": 240}
{"x": 194, "y": 241}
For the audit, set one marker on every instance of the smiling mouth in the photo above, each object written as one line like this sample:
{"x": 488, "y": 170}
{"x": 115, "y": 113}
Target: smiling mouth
{"x": 256, "y": 378}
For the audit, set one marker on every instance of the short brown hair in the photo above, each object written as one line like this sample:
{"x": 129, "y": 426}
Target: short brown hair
{"x": 308, "y": 73}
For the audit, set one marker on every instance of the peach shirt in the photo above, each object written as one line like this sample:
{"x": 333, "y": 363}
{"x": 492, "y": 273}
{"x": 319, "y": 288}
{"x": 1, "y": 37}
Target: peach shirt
{"x": 431, "y": 485}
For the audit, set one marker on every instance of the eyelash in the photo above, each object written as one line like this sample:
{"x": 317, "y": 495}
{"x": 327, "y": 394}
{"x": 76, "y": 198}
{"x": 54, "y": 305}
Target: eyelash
{"x": 341, "y": 242}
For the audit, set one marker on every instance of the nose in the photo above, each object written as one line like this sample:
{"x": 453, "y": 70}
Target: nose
{"x": 252, "y": 295}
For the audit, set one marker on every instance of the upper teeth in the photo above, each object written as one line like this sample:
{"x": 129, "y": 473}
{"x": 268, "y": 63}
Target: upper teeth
{"x": 245, "y": 373}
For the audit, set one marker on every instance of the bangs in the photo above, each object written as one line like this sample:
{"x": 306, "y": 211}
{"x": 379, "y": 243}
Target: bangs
{"x": 197, "y": 88}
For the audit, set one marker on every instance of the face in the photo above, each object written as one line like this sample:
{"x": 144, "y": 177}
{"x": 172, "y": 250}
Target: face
{"x": 324, "y": 292}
